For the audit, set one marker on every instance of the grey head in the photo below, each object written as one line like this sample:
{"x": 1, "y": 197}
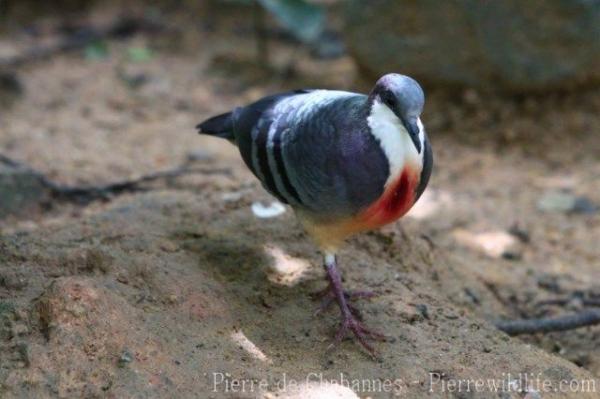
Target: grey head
{"x": 405, "y": 98}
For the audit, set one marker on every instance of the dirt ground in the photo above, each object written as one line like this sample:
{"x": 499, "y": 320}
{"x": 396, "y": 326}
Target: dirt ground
{"x": 150, "y": 295}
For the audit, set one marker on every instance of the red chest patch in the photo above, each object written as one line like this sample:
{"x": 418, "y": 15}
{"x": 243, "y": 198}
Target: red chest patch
{"x": 396, "y": 200}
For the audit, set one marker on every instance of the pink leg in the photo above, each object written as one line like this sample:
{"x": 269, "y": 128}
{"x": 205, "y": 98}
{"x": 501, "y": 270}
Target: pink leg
{"x": 350, "y": 318}
{"x": 329, "y": 297}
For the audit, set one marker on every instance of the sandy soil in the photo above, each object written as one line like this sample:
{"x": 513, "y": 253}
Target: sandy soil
{"x": 152, "y": 293}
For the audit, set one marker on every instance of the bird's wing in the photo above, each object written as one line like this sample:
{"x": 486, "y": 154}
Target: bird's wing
{"x": 251, "y": 125}
{"x": 312, "y": 150}
{"x": 427, "y": 168}
{"x": 335, "y": 164}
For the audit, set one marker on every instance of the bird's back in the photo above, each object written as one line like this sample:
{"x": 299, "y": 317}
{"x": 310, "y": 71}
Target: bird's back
{"x": 313, "y": 150}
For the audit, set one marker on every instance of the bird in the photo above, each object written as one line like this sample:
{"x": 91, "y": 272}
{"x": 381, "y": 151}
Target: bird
{"x": 345, "y": 162}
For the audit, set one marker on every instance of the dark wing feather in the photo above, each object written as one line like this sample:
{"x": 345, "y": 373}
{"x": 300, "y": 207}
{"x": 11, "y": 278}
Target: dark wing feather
{"x": 336, "y": 165}
{"x": 219, "y": 126}
{"x": 252, "y": 123}
{"x": 427, "y": 167}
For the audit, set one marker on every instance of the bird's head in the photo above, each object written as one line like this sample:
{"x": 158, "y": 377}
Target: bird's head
{"x": 404, "y": 97}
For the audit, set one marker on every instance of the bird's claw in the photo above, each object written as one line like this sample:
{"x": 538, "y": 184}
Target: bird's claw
{"x": 351, "y": 319}
{"x": 329, "y": 298}
{"x": 360, "y": 331}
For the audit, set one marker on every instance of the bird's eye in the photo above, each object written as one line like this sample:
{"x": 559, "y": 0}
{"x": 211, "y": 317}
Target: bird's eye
{"x": 389, "y": 100}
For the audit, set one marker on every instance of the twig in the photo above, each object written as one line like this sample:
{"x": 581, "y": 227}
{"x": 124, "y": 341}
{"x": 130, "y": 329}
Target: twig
{"x": 87, "y": 194}
{"x": 566, "y": 301}
{"x": 588, "y": 317}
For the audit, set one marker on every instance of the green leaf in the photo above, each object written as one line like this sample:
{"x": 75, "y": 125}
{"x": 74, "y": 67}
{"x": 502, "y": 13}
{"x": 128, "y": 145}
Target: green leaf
{"x": 139, "y": 54}
{"x": 97, "y": 50}
{"x": 304, "y": 20}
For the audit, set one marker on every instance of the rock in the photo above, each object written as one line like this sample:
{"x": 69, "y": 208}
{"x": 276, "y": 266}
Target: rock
{"x": 561, "y": 201}
{"x": 509, "y": 45}
{"x": 269, "y": 211}
{"x": 285, "y": 269}
{"x": 495, "y": 244}
{"x": 556, "y": 202}
{"x": 233, "y": 196}
{"x": 126, "y": 357}
{"x": 20, "y": 190}
{"x": 585, "y": 205}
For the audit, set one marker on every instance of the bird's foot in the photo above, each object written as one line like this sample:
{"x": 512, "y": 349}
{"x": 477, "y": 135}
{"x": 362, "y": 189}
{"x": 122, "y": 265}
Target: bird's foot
{"x": 328, "y": 297}
{"x": 360, "y": 331}
{"x": 351, "y": 320}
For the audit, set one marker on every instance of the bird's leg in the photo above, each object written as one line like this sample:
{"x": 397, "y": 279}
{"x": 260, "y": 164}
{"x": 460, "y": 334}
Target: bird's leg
{"x": 328, "y": 295}
{"x": 350, "y": 321}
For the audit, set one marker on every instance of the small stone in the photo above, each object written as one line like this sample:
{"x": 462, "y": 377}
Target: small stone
{"x": 423, "y": 310}
{"x": 285, "y": 269}
{"x": 233, "y": 196}
{"x": 561, "y": 201}
{"x": 172, "y": 298}
{"x": 125, "y": 358}
{"x": 272, "y": 210}
{"x": 495, "y": 244}
{"x": 585, "y": 206}
{"x": 557, "y": 202}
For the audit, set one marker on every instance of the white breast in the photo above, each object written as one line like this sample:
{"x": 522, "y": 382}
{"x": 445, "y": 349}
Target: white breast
{"x": 394, "y": 139}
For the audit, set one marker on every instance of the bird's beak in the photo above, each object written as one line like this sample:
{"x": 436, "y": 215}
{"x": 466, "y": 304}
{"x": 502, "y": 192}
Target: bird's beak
{"x": 413, "y": 131}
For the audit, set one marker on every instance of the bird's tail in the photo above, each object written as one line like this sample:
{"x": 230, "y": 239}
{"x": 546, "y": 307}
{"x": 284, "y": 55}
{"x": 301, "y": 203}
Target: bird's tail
{"x": 219, "y": 126}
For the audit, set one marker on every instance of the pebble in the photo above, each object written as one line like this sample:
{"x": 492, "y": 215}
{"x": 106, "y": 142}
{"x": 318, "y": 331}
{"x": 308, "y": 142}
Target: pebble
{"x": 272, "y": 210}
{"x": 126, "y": 357}
{"x": 495, "y": 244}
{"x": 561, "y": 201}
